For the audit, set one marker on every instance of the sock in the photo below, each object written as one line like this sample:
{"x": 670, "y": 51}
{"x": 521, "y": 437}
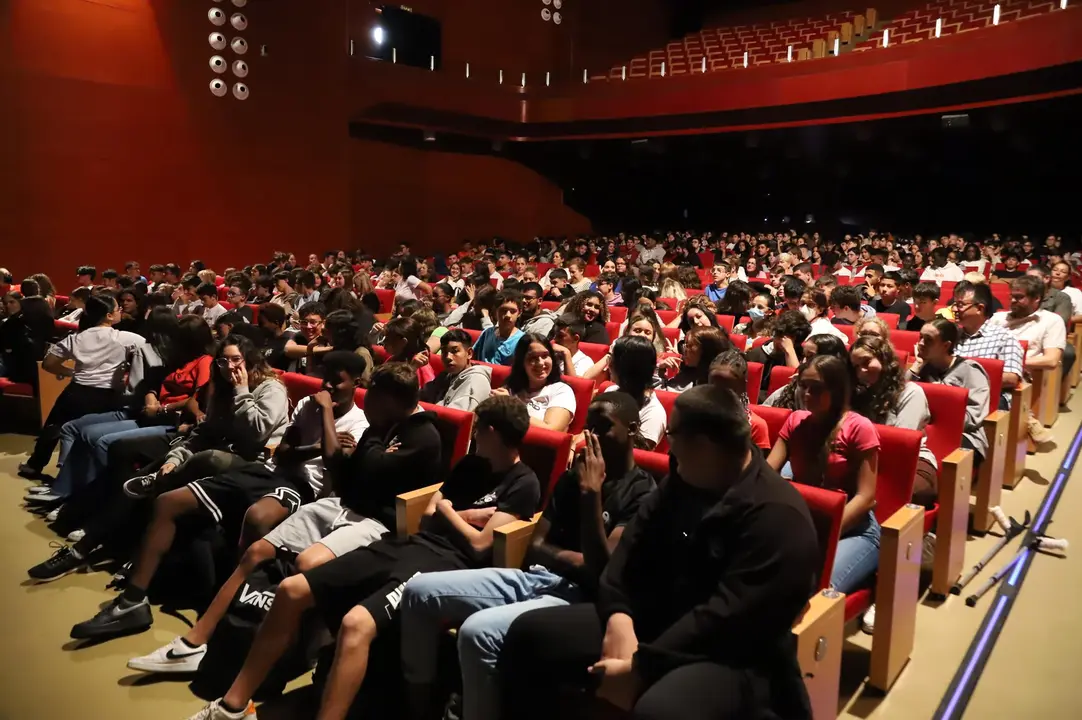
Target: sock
{"x": 133, "y": 595}
{"x": 230, "y": 709}
{"x": 188, "y": 644}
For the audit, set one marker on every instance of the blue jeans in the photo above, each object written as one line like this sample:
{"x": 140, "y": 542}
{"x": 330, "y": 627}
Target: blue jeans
{"x": 70, "y": 432}
{"x": 485, "y": 603}
{"x": 89, "y": 452}
{"x": 857, "y": 557}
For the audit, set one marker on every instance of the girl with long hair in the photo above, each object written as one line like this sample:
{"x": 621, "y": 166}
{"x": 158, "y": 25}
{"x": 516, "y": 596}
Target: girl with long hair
{"x": 791, "y": 395}
{"x": 701, "y": 346}
{"x": 100, "y": 355}
{"x": 589, "y": 307}
{"x": 829, "y": 445}
{"x": 404, "y": 342}
{"x": 729, "y": 370}
{"x": 634, "y": 362}
{"x": 736, "y": 301}
{"x": 535, "y": 380}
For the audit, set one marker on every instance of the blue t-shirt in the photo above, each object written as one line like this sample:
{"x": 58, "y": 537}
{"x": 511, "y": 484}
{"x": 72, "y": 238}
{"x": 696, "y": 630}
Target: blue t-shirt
{"x": 714, "y": 293}
{"x": 491, "y": 349}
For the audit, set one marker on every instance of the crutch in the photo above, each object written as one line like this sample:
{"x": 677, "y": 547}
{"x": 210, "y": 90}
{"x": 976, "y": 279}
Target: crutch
{"x": 1011, "y": 529}
{"x": 1038, "y": 543}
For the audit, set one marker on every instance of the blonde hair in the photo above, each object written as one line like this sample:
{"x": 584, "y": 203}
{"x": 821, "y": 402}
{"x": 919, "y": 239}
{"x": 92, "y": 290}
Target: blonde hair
{"x": 671, "y": 288}
{"x": 884, "y": 329}
{"x": 975, "y": 277}
{"x": 207, "y": 276}
{"x": 667, "y": 270}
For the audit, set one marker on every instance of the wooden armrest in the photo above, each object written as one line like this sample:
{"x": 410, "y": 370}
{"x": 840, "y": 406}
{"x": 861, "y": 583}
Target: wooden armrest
{"x": 511, "y": 541}
{"x": 50, "y": 386}
{"x": 955, "y": 481}
{"x": 1017, "y": 434}
{"x": 896, "y": 593}
{"x": 410, "y": 507}
{"x": 1046, "y": 393}
{"x": 820, "y": 640}
{"x": 989, "y": 482}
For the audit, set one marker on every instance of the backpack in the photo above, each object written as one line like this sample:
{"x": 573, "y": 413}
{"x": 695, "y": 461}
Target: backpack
{"x": 233, "y": 637}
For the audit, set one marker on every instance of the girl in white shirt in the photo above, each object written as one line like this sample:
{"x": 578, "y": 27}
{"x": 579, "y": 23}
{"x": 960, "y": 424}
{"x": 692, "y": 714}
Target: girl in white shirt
{"x": 535, "y": 380}
{"x": 632, "y": 371}
{"x": 101, "y": 355}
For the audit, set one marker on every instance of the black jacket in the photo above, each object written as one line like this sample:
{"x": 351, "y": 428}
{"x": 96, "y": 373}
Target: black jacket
{"x": 719, "y": 580}
{"x": 370, "y": 479}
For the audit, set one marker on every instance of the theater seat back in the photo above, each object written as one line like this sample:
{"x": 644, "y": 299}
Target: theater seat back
{"x": 904, "y": 339}
{"x": 655, "y": 463}
{"x": 386, "y": 300}
{"x": 584, "y": 392}
{"x": 299, "y": 387}
{"x": 898, "y": 450}
{"x": 666, "y": 316}
{"x": 775, "y": 418}
{"x": 617, "y": 313}
{"x": 755, "y": 379}
{"x": 826, "y": 508}
{"x": 890, "y": 319}
{"x": 547, "y": 453}
{"x": 779, "y": 378}
{"x": 947, "y": 407}
{"x": 456, "y": 430}
{"x": 727, "y": 322}
{"x": 994, "y": 369}
{"x": 613, "y": 329}
{"x": 595, "y": 351}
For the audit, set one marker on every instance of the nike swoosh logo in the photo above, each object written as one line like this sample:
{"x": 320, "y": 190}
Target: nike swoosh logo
{"x": 174, "y": 655}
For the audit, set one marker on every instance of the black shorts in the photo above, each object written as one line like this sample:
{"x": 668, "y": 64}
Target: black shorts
{"x": 227, "y": 496}
{"x": 373, "y": 577}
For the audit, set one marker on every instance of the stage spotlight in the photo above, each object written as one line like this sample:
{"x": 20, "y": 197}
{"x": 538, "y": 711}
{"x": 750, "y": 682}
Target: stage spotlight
{"x": 240, "y": 45}
{"x": 240, "y": 91}
{"x": 240, "y": 68}
{"x": 217, "y": 64}
{"x": 218, "y": 88}
{"x": 217, "y": 41}
{"x": 377, "y": 35}
{"x": 216, "y": 16}
{"x": 238, "y": 21}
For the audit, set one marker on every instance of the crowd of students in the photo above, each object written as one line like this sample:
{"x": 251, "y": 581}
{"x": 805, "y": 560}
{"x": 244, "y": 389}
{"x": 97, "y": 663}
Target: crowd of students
{"x": 176, "y": 439}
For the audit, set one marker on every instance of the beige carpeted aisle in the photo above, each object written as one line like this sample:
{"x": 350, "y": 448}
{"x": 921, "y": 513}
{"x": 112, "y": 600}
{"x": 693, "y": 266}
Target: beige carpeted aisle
{"x": 1031, "y": 674}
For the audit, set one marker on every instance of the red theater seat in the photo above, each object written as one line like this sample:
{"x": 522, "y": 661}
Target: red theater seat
{"x": 584, "y": 392}
{"x": 547, "y": 453}
{"x": 596, "y": 351}
{"x": 456, "y": 431}
{"x": 779, "y": 378}
{"x": 655, "y": 463}
{"x": 386, "y": 300}
{"x": 775, "y": 419}
{"x": 617, "y": 313}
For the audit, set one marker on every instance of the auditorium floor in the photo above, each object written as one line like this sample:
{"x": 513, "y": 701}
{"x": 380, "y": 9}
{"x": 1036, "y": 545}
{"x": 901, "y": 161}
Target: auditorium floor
{"x": 1031, "y": 672}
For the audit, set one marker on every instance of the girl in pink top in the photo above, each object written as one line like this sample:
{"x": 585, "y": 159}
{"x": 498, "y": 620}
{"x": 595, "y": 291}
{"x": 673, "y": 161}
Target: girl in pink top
{"x": 830, "y": 446}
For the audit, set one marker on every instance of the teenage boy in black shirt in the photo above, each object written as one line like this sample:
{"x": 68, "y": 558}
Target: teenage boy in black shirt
{"x": 696, "y": 605}
{"x": 581, "y": 525}
{"x": 358, "y": 594}
{"x": 890, "y": 300}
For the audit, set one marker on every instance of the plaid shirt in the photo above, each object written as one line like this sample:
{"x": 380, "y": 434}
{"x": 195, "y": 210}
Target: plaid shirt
{"x": 996, "y": 343}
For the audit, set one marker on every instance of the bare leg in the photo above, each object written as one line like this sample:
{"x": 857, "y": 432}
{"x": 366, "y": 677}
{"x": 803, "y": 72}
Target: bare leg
{"x": 160, "y": 534}
{"x": 318, "y": 554}
{"x": 350, "y": 664}
{"x": 263, "y": 516}
{"x": 260, "y": 551}
{"x": 272, "y": 640}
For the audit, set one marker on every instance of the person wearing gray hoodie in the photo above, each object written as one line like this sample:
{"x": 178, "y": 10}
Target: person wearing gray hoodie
{"x": 461, "y": 386}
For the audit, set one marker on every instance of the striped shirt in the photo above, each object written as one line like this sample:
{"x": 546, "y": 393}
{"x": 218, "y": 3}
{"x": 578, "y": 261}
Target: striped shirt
{"x": 996, "y": 343}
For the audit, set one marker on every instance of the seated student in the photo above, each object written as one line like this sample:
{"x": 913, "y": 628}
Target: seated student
{"x": 565, "y": 343}
{"x": 828, "y": 445}
{"x": 582, "y": 523}
{"x": 889, "y": 300}
{"x": 845, "y": 303}
{"x": 608, "y": 284}
{"x": 228, "y": 321}
{"x": 248, "y": 411}
{"x": 75, "y": 306}
{"x": 559, "y": 289}
{"x": 185, "y": 299}
{"x": 589, "y": 308}
{"x": 791, "y": 395}
{"x": 701, "y": 346}
{"x": 816, "y": 308}
{"x": 721, "y": 647}
{"x": 273, "y": 322}
{"x": 642, "y": 322}
{"x": 461, "y": 385}
{"x": 791, "y": 329}
{"x": 341, "y": 519}
{"x": 535, "y": 380}
{"x": 358, "y": 594}
{"x": 715, "y": 291}
{"x": 497, "y": 343}
{"x": 404, "y": 343}
{"x": 237, "y": 297}
{"x": 925, "y": 298}
{"x": 937, "y": 363}
{"x": 729, "y": 371}
{"x": 210, "y": 308}
{"x": 873, "y": 274}
{"x": 302, "y": 346}
{"x": 634, "y": 361}
{"x": 1011, "y": 261}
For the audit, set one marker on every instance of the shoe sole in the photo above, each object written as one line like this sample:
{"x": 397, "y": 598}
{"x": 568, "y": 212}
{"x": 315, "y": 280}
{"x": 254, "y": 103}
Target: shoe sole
{"x": 177, "y": 669}
{"x": 46, "y": 581}
{"x": 135, "y": 495}
{"x": 107, "y": 634}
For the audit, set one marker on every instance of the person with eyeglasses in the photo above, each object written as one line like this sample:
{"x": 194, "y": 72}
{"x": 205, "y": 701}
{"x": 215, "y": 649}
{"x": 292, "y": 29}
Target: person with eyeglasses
{"x": 238, "y": 298}
{"x": 982, "y": 338}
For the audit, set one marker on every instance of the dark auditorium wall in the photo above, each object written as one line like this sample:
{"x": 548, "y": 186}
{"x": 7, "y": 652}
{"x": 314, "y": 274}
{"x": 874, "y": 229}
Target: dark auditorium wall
{"x": 113, "y": 148}
{"x": 434, "y": 200}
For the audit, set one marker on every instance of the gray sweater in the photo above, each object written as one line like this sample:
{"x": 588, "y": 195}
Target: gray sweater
{"x": 464, "y": 391}
{"x": 257, "y": 419}
{"x": 970, "y": 375}
{"x": 911, "y": 412}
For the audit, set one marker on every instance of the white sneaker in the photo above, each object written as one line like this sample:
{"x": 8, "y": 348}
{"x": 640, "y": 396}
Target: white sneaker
{"x": 39, "y": 489}
{"x": 176, "y": 657}
{"x": 215, "y": 711}
{"x": 867, "y": 623}
{"x": 53, "y": 516}
{"x": 76, "y": 535}
{"x": 1038, "y": 433}
{"x": 927, "y": 552}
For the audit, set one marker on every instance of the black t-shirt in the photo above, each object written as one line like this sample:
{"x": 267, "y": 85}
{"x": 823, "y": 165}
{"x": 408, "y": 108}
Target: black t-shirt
{"x": 898, "y": 307}
{"x": 472, "y": 484}
{"x": 915, "y": 323}
{"x": 1006, "y": 274}
{"x": 595, "y": 332}
{"x": 274, "y": 349}
{"x": 245, "y": 312}
{"x": 620, "y": 500}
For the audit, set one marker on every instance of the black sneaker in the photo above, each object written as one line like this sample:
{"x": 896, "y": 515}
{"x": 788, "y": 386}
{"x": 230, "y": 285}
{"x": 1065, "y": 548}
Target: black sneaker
{"x": 119, "y": 581}
{"x": 28, "y": 471}
{"x": 115, "y": 619}
{"x": 63, "y": 562}
{"x": 141, "y": 486}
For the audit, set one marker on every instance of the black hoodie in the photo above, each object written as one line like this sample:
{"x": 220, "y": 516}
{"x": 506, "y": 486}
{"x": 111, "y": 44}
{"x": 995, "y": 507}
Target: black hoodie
{"x": 371, "y": 478}
{"x": 721, "y": 580}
